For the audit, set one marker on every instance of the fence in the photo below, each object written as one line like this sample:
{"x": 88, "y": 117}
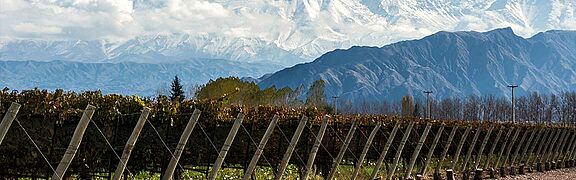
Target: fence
{"x": 387, "y": 147}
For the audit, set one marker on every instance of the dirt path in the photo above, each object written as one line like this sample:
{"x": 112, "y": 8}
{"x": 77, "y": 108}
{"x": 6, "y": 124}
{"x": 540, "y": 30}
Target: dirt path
{"x": 554, "y": 174}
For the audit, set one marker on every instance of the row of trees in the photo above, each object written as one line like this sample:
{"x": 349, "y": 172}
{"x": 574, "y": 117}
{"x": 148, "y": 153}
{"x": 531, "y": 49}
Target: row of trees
{"x": 534, "y": 107}
{"x": 234, "y": 91}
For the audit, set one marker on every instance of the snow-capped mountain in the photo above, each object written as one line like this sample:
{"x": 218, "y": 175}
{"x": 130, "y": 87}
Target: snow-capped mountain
{"x": 148, "y": 49}
{"x": 447, "y": 63}
{"x": 282, "y": 32}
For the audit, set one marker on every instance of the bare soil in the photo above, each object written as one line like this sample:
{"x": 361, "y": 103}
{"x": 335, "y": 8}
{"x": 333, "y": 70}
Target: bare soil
{"x": 569, "y": 173}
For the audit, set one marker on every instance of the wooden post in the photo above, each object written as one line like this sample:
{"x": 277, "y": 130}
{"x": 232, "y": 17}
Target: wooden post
{"x": 342, "y": 150}
{"x": 570, "y": 148}
{"x": 503, "y": 147}
{"x": 182, "y": 144}
{"x": 417, "y": 150}
{"x": 385, "y": 150}
{"x": 493, "y": 147}
{"x": 226, "y": 146}
{"x": 260, "y": 148}
{"x": 291, "y": 146}
{"x": 130, "y": 144}
{"x": 445, "y": 151}
{"x": 7, "y": 120}
{"x": 431, "y": 151}
{"x": 510, "y": 146}
{"x": 364, "y": 151}
{"x": 315, "y": 147}
{"x": 555, "y": 145}
{"x": 459, "y": 148}
{"x": 399, "y": 151}
{"x": 541, "y": 144}
{"x": 545, "y": 139}
{"x": 469, "y": 153}
{"x": 519, "y": 146}
{"x": 524, "y": 152}
{"x": 481, "y": 150}
{"x": 549, "y": 146}
{"x": 561, "y": 145}
{"x": 74, "y": 143}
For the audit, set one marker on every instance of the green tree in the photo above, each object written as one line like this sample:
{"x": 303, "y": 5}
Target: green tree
{"x": 176, "y": 92}
{"x": 316, "y": 96}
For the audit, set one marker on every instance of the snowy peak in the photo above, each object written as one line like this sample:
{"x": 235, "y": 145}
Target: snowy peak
{"x": 153, "y": 48}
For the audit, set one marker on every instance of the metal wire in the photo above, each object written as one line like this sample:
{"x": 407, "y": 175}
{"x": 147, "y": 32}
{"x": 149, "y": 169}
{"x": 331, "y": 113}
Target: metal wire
{"x": 251, "y": 139}
{"x": 110, "y": 145}
{"x": 37, "y": 148}
{"x": 164, "y": 143}
{"x": 286, "y": 138}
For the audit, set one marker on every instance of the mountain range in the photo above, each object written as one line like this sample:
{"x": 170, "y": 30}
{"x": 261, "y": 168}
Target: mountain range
{"x": 249, "y": 38}
{"x": 451, "y": 64}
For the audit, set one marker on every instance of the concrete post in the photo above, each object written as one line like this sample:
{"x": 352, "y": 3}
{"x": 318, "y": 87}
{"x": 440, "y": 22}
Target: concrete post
{"x": 342, "y": 150}
{"x": 260, "y": 148}
{"x": 7, "y": 120}
{"x": 364, "y": 151}
{"x": 182, "y": 144}
{"x": 130, "y": 144}
{"x": 385, "y": 150}
{"x": 317, "y": 143}
{"x": 290, "y": 150}
{"x": 226, "y": 146}
{"x": 74, "y": 143}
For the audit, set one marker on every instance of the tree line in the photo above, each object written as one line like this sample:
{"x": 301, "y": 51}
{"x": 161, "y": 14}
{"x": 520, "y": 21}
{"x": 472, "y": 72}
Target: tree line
{"x": 533, "y": 107}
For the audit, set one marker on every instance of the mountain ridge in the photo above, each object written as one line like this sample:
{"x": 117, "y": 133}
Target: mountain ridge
{"x": 450, "y": 64}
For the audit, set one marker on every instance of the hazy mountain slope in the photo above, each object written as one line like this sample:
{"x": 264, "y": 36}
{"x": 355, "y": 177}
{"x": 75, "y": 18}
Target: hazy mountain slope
{"x": 124, "y": 78}
{"x": 450, "y": 64}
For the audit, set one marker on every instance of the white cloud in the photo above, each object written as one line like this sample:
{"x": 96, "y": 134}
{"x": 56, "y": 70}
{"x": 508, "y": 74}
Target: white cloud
{"x": 290, "y": 24}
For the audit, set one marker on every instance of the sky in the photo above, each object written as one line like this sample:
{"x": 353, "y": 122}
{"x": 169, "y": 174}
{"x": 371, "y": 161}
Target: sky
{"x": 280, "y": 21}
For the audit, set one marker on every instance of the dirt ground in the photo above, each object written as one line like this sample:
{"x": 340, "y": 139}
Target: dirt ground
{"x": 569, "y": 173}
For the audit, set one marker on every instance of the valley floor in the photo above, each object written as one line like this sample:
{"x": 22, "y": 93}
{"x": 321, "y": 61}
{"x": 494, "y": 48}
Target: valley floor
{"x": 569, "y": 173}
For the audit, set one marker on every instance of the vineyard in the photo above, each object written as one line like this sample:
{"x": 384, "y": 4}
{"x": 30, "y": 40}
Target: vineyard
{"x": 259, "y": 140}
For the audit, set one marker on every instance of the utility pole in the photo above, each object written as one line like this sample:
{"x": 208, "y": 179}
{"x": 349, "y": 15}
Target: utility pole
{"x": 513, "y": 103}
{"x": 335, "y": 99}
{"x": 428, "y": 109}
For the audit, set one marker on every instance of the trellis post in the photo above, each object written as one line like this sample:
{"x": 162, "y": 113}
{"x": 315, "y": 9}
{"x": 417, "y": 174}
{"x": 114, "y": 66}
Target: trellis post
{"x": 469, "y": 153}
{"x": 260, "y": 148}
{"x": 460, "y": 145}
{"x": 431, "y": 151}
{"x": 570, "y": 148}
{"x": 291, "y": 146}
{"x": 524, "y": 152}
{"x": 182, "y": 144}
{"x": 548, "y": 149}
{"x": 342, "y": 150}
{"x": 226, "y": 146}
{"x": 543, "y": 143}
{"x": 493, "y": 147}
{"x": 364, "y": 151}
{"x": 399, "y": 151}
{"x": 130, "y": 144}
{"x": 561, "y": 145}
{"x": 316, "y": 146}
{"x": 7, "y": 120}
{"x": 517, "y": 150}
{"x": 504, "y": 145}
{"x": 74, "y": 143}
{"x": 385, "y": 150}
{"x": 445, "y": 151}
{"x": 417, "y": 150}
{"x": 486, "y": 137}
